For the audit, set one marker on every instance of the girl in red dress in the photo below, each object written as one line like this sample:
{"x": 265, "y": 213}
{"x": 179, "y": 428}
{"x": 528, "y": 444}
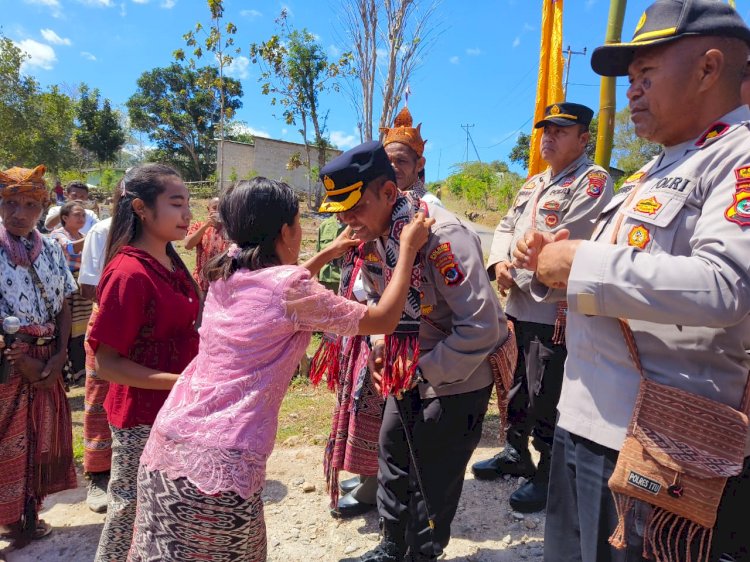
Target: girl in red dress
{"x": 145, "y": 333}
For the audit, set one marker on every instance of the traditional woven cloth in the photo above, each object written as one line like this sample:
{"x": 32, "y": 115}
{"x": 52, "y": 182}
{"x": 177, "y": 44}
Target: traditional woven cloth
{"x": 36, "y": 449}
{"x": 22, "y": 252}
{"x": 24, "y": 181}
{"x": 117, "y": 534}
{"x": 97, "y": 438}
{"x": 211, "y": 244}
{"x": 182, "y": 523}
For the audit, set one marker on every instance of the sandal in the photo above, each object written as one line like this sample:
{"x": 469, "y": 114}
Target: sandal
{"x": 42, "y": 529}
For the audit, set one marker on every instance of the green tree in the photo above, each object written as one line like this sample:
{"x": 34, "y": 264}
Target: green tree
{"x": 38, "y": 125}
{"x": 488, "y": 185}
{"x": 180, "y": 115}
{"x": 630, "y": 151}
{"x": 294, "y": 71}
{"x": 218, "y": 40}
{"x": 99, "y": 130}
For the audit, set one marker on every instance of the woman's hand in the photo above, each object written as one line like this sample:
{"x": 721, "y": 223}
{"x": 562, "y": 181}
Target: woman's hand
{"x": 342, "y": 244}
{"x": 55, "y": 364}
{"x": 26, "y": 366}
{"x": 415, "y": 234}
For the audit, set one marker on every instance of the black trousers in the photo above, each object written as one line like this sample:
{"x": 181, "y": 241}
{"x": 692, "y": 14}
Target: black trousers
{"x": 581, "y": 513}
{"x": 537, "y": 382}
{"x": 445, "y": 431}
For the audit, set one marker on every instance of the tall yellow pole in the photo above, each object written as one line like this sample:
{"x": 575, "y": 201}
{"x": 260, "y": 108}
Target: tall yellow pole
{"x": 607, "y": 91}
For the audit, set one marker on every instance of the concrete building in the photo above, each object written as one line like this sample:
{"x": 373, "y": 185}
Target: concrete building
{"x": 269, "y": 158}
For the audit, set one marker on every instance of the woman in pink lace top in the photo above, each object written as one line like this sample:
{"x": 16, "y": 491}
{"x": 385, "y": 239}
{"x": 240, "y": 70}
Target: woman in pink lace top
{"x": 208, "y": 448}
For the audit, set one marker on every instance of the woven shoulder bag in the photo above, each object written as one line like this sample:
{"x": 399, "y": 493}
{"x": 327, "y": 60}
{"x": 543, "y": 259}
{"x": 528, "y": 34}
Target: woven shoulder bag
{"x": 679, "y": 451}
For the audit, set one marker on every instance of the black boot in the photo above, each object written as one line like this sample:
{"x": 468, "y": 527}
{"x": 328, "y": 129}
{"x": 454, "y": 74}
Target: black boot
{"x": 514, "y": 459}
{"x": 532, "y": 496}
{"x": 392, "y": 547}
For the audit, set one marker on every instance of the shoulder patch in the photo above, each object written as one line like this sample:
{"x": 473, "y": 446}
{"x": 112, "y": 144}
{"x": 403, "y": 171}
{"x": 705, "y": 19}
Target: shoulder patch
{"x": 445, "y": 262}
{"x": 597, "y": 181}
{"x": 739, "y": 211}
{"x": 714, "y": 131}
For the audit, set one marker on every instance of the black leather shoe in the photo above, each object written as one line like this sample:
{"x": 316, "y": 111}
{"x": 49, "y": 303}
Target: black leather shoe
{"x": 350, "y": 507}
{"x": 386, "y": 551}
{"x": 349, "y": 484}
{"x": 529, "y": 498}
{"x": 508, "y": 462}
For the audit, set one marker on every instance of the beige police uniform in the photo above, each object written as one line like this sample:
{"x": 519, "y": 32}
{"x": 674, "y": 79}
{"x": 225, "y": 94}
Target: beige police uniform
{"x": 571, "y": 199}
{"x": 679, "y": 272}
{"x": 444, "y": 415}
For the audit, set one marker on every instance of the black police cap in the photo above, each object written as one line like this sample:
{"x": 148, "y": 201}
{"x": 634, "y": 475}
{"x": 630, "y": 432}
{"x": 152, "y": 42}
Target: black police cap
{"x": 346, "y": 176}
{"x": 566, "y": 114}
{"x": 669, "y": 20}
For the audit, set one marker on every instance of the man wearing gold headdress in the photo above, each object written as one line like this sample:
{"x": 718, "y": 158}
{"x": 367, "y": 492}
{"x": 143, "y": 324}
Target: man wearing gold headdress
{"x": 35, "y": 423}
{"x": 405, "y": 148}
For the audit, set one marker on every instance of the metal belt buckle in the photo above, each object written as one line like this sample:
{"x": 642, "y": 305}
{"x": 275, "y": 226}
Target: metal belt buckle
{"x": 41, "y": 341}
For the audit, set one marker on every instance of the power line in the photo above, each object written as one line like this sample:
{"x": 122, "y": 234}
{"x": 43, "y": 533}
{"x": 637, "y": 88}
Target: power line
{"x": 518, "y": 130}
{"x": 468, "y": 137}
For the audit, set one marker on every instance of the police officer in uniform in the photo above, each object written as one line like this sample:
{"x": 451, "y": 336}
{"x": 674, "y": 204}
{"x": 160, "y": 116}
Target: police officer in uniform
{"x": 669, "y": 254}
{"x": 461, "y": 324}
{"x": 569, "y": 195}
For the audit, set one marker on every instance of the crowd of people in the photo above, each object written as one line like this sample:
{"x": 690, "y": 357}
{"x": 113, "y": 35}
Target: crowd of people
{"x": 621, "y": 351}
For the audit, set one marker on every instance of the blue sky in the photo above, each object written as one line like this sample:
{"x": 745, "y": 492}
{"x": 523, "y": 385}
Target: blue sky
{"x": 481, "y": 71}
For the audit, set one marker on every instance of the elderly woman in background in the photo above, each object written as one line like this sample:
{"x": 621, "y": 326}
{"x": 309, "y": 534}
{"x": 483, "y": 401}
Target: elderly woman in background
{"x": 70, "y": 238}
{"x": 35, "y": 422}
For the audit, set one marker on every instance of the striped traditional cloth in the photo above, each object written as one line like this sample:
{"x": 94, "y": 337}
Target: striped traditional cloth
{"x": 80, "y": 311}
{"x": 36, "y": 441}
{"x": 97, "y": 437}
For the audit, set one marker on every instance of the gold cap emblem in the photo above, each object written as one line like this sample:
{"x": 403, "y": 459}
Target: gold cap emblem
{"x": 554, "y": 110}
{"x": 328, "y": 183}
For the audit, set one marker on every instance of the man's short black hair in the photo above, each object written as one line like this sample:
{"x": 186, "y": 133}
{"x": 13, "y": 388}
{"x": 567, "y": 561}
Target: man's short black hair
{"x": 77, "y": 185}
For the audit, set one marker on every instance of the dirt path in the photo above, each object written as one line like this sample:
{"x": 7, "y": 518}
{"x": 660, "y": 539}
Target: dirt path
{"x": 300, "y": 528}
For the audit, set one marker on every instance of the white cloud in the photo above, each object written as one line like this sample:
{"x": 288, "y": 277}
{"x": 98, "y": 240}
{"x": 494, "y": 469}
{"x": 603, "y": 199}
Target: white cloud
{"x": 40, "y": 55}
{"x": 140, "y": 1}
{"x": 343, "y": 140}
{"x": 245, "y": 129}
{"x": 516, "y": 42}
{"x": 123, "y": 10}
{"x": 168, "y": 4}
{"x": 250, "y": 14}
{"x": 98, "y": 3}
{"x": 590, "y": 3}
{"x": 53, "y": 5}
{"x": 239, "y": 68}
{"x": 474, "y": 52}
{"x": 88, "y": 56}
{"x": 528, "y": 27}
{"x": 52, "y": 37}
{"x": 454, "y": 60}
{"x": 334, "y": 50}
{"x": 284, "y": 132}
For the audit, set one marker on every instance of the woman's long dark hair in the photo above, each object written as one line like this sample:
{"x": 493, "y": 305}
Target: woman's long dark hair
{"x": 146, "y": 183}
{"x": 253, "y": 212}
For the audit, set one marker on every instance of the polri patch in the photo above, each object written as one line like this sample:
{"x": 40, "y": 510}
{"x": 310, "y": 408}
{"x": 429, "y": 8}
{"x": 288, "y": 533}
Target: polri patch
{"x": 739, "y": 211}
{"x": 639, "y": 237}
{"x": 644, "y": 483}
{"x": 452, "y": 273}
{"x": 648, "y": 206}
{"x": 597, "y": 181}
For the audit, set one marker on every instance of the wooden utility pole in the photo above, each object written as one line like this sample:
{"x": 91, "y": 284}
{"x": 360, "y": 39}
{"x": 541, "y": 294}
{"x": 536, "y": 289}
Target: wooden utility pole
{"x": 607, "y": 93}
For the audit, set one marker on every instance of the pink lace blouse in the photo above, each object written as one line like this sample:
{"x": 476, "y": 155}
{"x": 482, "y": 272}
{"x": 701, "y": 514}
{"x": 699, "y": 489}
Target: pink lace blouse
{"x": 218, "y": 426}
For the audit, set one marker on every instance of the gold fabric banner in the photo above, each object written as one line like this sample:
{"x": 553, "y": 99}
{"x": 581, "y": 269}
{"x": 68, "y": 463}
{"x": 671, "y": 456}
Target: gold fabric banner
{"x": 549, "y": 88}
